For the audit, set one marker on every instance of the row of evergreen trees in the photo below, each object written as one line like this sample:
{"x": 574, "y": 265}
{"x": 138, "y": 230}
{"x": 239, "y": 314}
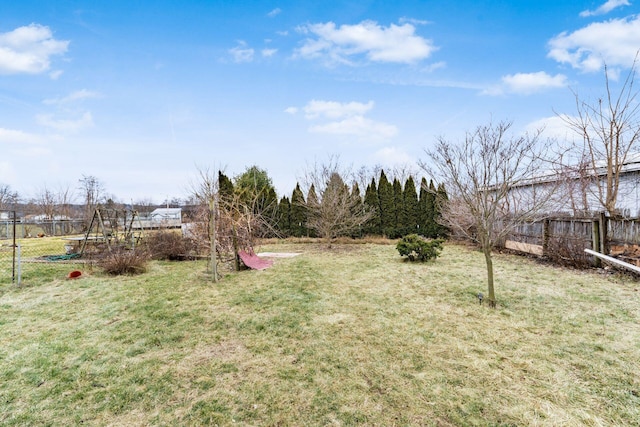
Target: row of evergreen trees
{"x": 398, "y": 210}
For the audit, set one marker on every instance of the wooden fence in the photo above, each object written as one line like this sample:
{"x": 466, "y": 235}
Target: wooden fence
{"x": 565, "y": 239}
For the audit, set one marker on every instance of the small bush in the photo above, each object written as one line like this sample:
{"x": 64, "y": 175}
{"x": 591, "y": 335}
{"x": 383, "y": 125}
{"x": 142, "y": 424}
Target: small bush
{"x": 122, "y": 261}
{"x": 167, "y": 245}
{"x": 417, "y": 248}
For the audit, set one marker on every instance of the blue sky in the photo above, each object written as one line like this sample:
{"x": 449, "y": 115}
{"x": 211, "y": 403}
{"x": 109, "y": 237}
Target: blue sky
{"x": 140, "y": 94}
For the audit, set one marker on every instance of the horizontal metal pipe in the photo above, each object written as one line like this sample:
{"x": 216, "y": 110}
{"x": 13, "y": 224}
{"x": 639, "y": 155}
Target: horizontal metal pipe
{"x": 613, "y": 260}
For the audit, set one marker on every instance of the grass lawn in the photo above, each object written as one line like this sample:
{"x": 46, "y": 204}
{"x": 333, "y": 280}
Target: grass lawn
{"x": 346, "y": 337}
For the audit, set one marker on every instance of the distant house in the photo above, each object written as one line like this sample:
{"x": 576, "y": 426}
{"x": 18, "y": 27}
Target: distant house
{"x": 167, "y": 214}
{"x": 160, "y": 218}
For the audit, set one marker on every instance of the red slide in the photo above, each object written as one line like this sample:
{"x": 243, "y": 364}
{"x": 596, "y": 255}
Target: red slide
{"x": 253, "y": 261}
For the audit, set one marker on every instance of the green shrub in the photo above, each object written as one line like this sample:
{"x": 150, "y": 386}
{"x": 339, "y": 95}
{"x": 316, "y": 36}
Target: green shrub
{"x": 122, "y": 261}
{"x": 417, "y": 248}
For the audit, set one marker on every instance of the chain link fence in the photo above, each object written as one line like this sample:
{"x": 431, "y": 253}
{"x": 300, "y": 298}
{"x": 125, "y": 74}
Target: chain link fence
{"x": 29, "y": 246}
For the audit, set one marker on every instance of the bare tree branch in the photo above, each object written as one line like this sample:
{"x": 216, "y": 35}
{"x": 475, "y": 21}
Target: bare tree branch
{"x": 336, "y": 211}
{"x": 610, "y": 129}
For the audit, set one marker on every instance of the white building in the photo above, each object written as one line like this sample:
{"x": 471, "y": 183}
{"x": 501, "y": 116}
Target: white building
{"x": 578, "y": 192}
{"x": 159, "y": 218}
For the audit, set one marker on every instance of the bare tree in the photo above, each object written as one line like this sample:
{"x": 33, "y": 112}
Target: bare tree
{"x": 402, "y": 172}
{"x": 144, "y": 205}
{"x": 46, "y": 201}
{"x": 230, "y": 218}
{"x": 490, "y": 187}
{"x": 364, "y": 175}
{"x": 336, "y": 211}
{"x": 51, "y": 203}
{"x": 92, "y": 189}
{"x": 206, "y": 192}
{"x": 610, "y": 129}
{"x": 577, "y": 184}
{"x": 65, "y": 197}
{"x": 8, "y": 198}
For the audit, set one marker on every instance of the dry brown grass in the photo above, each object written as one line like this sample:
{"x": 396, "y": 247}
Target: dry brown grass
{"x": 344, "y": 337}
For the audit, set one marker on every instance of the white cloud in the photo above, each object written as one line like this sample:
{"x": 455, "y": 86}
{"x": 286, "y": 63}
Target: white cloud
{"x": 267, "y": 53}
{"x": 435, "y": 66}
{"x": 55, "y": 75}
{"x": 396, "y": 43}
{"x": 66, "y": 125}
{"x": 29, "y": 49}
{"x": 345, "y": 119}
{"x": 554, "y": 127}
{"x": 336, "y": 110}
{"x": 291, "y": 110}
{"x": 275, "y": 12}
{"x": 7, "y": 173}
{"x": 393, "y": 156}
{"x": 527, "y": 83}
{"x": 34, "y": 151}
{"x": 605, "y": 8}
{"x": 359, "y": 126}
{"x": 18, "y": 136}
{"x": 242, "y": 53}
{"x": 413, "y": 21}
{"x": 614, "y": 42}
{"x": 72, "y": 97}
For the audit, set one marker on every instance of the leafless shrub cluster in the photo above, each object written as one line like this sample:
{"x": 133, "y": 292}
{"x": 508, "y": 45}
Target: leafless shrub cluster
{"x": 120, "y": 261}
{"x": 568, "y": 252}
{"x": 333, "y": 209}
{"x": 172, "y": 246}
{"x": 233, "y": 227}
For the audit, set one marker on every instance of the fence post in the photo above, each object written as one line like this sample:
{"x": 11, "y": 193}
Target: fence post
{"x": 13, "y": 265}
{"x": 604, "y": 245}
{"x": 19, "y": 265}
{"x": 595, "y": 244}
{"x": 545, "y": 236}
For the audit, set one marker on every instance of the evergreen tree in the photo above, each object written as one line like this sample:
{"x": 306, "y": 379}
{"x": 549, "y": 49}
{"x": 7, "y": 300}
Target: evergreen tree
{"x": 355, "y": 191}
{"x": 256, "y": 190}
{"x": 225, "y": 188}
{"x": 386, "y": 205}
{"x": 358, "y": 208}
{"x": 312, "y": 200}
{"x": 398, "y": 208}
{"x": 410, "y": 213}
{"x": 440, "y": 199}
{"x": 372, "y": 203}
{"x": 422, "y": 208}
{"x": 270, "y": 209}
{"x": 298, "y": 214}
{"x": 430, "y": 214}
{"x": 283, "y": 223}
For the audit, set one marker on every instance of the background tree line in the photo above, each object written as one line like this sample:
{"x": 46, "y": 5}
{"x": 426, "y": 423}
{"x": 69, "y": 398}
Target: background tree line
{"x": 392, "y": 209}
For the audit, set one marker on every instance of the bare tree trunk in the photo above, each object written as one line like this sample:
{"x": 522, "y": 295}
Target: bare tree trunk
{"x": 491, "y": 298}
{"x": 234, "y": 239}
{"x": 212, "y": 237}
